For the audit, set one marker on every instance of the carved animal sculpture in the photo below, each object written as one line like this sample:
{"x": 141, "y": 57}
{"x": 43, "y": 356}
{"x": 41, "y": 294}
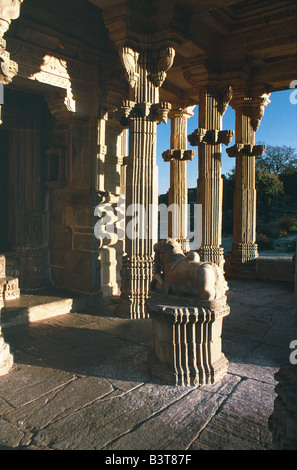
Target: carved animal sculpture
{"x": 182, "y": 275}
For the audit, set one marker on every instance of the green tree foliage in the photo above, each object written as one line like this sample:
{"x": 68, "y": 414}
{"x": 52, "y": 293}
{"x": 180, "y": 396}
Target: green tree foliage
{"x": 277, "y": 160}
{"x": 289, "y": 179}
{"x": 269, "y": 188}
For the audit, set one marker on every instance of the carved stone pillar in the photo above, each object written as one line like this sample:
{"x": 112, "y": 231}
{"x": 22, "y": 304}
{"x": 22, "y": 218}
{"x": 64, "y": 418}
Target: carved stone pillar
{"x": 146, "y": 73}
{"x": 213, "y": 102}
{"x": 284, "y": 418}
{"x": 178, "y": 155}
{"x": 110, "y": 152}
{"x": 9, "y": 10}
{"x": 249, "y": 112}
{"x": 6, "y": 358}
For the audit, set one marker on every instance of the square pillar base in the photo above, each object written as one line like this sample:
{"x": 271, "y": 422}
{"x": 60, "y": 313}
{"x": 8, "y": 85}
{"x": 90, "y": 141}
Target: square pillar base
{"x": 241, "y": 263}
{"x": 187, "y": 340}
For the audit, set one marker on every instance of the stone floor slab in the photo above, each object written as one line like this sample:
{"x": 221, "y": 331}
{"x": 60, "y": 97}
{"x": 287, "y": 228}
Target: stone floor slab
{"x": 82, "y": 381}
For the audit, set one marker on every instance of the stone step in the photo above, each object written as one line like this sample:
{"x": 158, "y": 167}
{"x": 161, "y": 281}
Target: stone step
{"x": 33, "y": 307}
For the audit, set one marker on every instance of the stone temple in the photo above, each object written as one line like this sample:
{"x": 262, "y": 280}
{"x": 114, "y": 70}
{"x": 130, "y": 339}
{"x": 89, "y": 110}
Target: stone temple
{"x": 84, "y": 86}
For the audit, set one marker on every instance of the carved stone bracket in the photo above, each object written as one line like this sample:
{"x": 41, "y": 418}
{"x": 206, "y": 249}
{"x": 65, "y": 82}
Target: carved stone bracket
{"x": 8, "y": 68}
{"x": 254, "y": 107}
{"x": 160, "y": 112}
{"x": 239, "y": 150}
{"x": 257, "y": 110}
{"x": 178, "y": 154}
{"x": 155, "y": 112}
{"x": 210, "y": 137}
{"x": 225, "y": 96}
{"x": 129, "y": 59}
{"x": 9, "y": 10}
{"x": 162, "y": 60}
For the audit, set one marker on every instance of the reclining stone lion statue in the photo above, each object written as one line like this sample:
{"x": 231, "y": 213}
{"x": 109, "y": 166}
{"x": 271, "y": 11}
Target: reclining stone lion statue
{"x": 181, "y": 275}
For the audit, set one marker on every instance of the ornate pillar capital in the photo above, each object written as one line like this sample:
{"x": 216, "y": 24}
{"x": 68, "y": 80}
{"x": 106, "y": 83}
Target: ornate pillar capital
{"x": 146, "y": 72}
{"x": 9, "y": 10}
{"x": 157, "y": 63}
{"x": 181, "y": 111}
{"x": 258, "y": 106}
{"x": 251, "y": 104}
{"x": 249, "y": 110}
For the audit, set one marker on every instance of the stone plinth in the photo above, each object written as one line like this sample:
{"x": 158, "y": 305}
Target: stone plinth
{"x": 187, "y": 340}
{"x": 10, "y": 288}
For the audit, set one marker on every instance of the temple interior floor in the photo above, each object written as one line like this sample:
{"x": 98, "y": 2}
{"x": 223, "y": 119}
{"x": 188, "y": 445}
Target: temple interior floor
{"x": 81, "y": 381}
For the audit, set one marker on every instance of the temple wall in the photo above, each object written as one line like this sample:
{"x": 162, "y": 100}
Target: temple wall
{"x": 66, "y": 68}
{"x": 26, "y": 125}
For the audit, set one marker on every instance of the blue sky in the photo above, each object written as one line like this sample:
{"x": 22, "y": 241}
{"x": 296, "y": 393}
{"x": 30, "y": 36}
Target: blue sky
{"x": 278, "y": 127}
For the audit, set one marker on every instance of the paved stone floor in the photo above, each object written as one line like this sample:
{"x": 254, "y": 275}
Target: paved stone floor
{"x": 80, "y": 381}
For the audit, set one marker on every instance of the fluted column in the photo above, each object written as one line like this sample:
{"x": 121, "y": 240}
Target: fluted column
{"x": 146, "y": 73}
{"x": 178, "y": 155}
{"x": 213, "y": 102}
{"x": 248, "y": 114}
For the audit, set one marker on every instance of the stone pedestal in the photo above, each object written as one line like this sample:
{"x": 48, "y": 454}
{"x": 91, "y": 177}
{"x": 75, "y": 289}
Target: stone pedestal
{"x": 9, "y": 286}
{"x": 187, "y": 340}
